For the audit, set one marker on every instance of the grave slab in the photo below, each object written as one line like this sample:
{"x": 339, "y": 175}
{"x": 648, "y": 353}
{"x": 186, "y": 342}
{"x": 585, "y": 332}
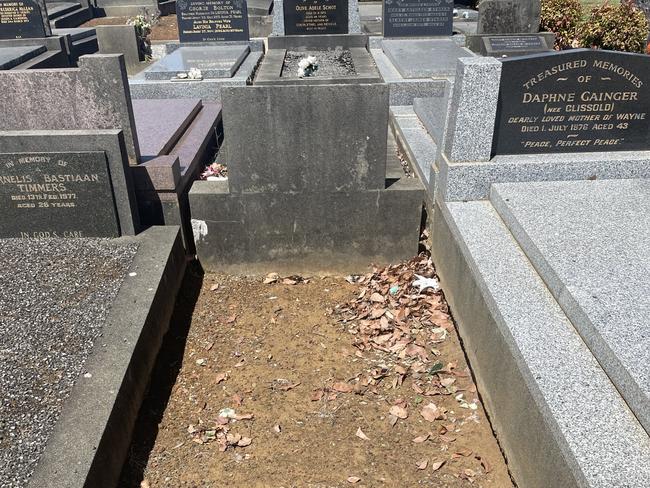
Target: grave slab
{"x": 157, "y": 135}
{"x": 559, "y": 419}
{"x": 92, "y": 431}
{"x": 13, "y": 56}
{"x": 424, "y": 58}
{"x": 590, "y": 242}
{"x": 213, "y": 61}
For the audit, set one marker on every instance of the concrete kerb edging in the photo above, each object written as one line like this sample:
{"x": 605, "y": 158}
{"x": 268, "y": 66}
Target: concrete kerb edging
{"x": 92, "y": 436}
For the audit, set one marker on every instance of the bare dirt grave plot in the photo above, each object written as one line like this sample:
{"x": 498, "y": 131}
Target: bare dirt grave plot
{"x": 320, "y": 382}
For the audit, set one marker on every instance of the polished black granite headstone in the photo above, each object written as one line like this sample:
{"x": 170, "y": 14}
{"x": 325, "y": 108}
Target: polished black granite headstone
{"x": 418, "y": 18}
{"x": 56, "y": 195}
{"x": 311, "y": 17}
{"x": 21, "y": 19}
{"x": 212, "y": 20}
{"x": 574, "y": 101}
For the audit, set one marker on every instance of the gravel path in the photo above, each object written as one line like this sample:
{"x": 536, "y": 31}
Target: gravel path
{"x": 54, "y": 299}
{"x": 331, "y": 63}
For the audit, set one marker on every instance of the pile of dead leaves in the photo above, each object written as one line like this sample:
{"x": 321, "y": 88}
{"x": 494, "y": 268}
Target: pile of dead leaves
{"x": 395, "y": 314}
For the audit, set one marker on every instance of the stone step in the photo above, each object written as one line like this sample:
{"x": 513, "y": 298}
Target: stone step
{"x": 419, "y": 148}
{"x": 47, "y": 59}
{"x": 72, "y": 18}
{"x": 590, "y": 242}
{"x": 157, "y": 135}
{"x": 432, "y": 112}
{"x": 13, "y": 56}
{"x": 57, "y": 9}
{"x": 560, "y": 420}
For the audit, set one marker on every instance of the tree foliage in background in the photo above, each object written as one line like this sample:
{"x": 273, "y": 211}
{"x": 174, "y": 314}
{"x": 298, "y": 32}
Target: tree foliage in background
{"x": 563, "y": 17}
{"x": 621, "y": 27}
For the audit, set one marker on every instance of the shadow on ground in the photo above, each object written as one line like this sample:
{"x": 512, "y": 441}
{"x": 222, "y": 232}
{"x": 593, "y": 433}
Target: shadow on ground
{"x": 168, "y": 364}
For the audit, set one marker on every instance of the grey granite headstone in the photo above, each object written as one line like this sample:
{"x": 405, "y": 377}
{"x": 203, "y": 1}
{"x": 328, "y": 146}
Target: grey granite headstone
{"x": 45, "y": 195}
{"x": 213, "y": 61}
{"x": 93, "y": 96}
{"x": 509, "y": 16}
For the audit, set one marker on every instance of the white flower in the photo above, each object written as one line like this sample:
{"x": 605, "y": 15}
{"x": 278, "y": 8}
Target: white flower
{"x": 301, "y": 73}
{"x": 304, "y": 63}
{"x": 195, "y": 74}
{"x": 312, "y": 60}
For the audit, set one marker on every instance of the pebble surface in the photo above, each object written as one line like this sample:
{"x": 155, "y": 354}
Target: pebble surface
{"x": 332, "y": 63}
{"x": 55, "y": 296}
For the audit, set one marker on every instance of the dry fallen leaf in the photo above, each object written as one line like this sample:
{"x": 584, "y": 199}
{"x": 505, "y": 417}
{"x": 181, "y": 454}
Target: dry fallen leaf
{"x": 377, "y": 298}
{"x": 392, "y": 420}
{"x": 431, "y": 412}
{"x": 214, "y": 287}
{"x": 277, "y": 428}
{"x": 399, "y": 412}
{"x": 437, "y": 465}
{"x": 421, "y": 439}
{"x": 342, "y": 387}
{"x": 221, "y": 377}
{"x": 317, "y": 395}
{"x": 231, "y": 319}
{"x": 361, "y": 435}
{"x": 422, "y": 464}
{"x": 353, "y": 479}
{"x": 244, "y": 441}
{"x": 271, "y": 278}
{"x": 463, "y": 453}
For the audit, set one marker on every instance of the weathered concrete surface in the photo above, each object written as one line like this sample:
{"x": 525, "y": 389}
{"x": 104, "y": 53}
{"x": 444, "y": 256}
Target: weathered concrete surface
{"x": 315, "y": 231}
{"x": 590, "y": 242}
{"x": 268, "y": 147}
{"x": 119, "y": 39}
{"x": 94, "y": 96}
{"x": 509, "y": 16}
{"x": 558, "y": 417}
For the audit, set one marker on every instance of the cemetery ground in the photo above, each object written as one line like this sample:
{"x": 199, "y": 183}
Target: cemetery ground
{"x": 313, "y": 381}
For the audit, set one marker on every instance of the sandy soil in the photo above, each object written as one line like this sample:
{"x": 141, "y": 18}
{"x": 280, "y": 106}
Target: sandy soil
{"x": 318, "y": 402}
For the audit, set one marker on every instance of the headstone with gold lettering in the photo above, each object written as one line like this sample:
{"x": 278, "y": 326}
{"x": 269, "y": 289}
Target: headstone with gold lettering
{"x": 212, "y": 20}
{"x": 57, "y": 195}
{"x": 23, "y": 19}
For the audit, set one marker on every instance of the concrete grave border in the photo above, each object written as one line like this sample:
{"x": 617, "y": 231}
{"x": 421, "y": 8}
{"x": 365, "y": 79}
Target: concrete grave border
{"x": 92, "y": 436}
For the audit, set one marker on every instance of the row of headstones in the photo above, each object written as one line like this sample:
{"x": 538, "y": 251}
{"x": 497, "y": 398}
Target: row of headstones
{"x": 208, "y": 21}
